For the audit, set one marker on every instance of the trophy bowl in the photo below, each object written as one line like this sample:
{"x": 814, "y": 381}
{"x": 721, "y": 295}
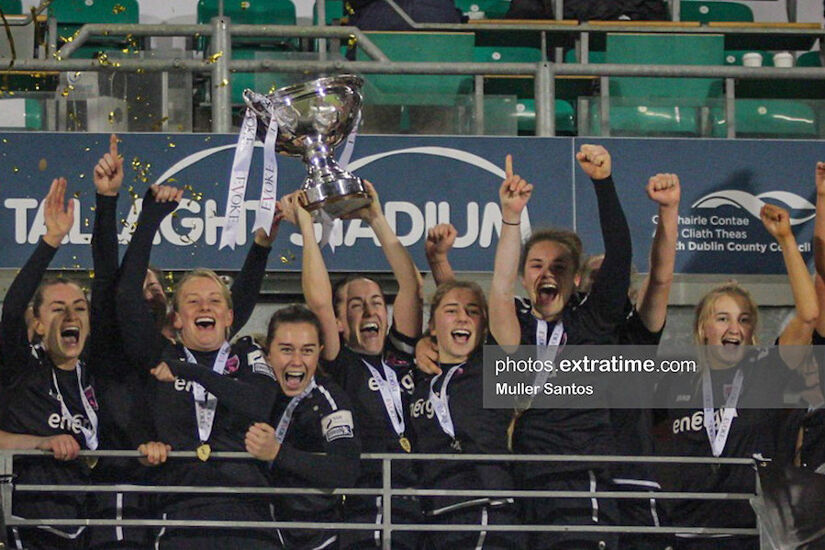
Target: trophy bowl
{"x": 313, "y": 118}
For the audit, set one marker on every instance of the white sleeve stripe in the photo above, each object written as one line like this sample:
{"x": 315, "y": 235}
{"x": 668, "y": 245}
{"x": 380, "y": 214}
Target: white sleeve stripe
{"x": 330, "y": 400}
{"x": 400, "y": 345}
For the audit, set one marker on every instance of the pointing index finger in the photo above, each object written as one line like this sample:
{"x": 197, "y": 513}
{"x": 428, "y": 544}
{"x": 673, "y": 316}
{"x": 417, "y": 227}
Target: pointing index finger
{"x": 113, "y": 146}
{"x": 508, "y": 165}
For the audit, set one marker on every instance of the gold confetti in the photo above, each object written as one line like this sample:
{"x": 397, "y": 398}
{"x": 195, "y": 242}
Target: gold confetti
{"x": 118, "y": 8}
{"x": 91, "y": 271}
{"x": 15, "y": 169}
{"x": 222, "y": 83}
{"x": 245, "y": 4}
{"x": 111, "y": 117}
{"x": 170, "y": 277}
{"x": 87, "y": 149}
{"x": 42, "y": 164}
{"x": 214, "y": 57}
{"x": 85, "y": 222}
{"x": 76, "y": 194}
{"x": 82, "y": 176}
{"x": 5, "y": 140}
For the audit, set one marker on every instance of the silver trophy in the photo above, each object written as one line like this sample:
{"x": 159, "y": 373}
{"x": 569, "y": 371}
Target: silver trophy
{"x": 313, "y": 118}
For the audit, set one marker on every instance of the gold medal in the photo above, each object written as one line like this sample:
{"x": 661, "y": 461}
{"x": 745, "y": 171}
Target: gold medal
{"x": 203, "y": 452}
{"x": 405, "y": 444}
{"x": 91, "y": 461}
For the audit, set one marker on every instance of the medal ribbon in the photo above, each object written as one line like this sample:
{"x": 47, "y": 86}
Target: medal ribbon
{"x": 719, "y": 437}
{"x": 441, "y": 403}
{"x": 390, "y": 391}
{"x": 237, "y": 183}
{"x": 205, "y": 402}
{"x": 89, "y": 434}
{"x": 286, "y": 418}
{"x": 269, "y": 187}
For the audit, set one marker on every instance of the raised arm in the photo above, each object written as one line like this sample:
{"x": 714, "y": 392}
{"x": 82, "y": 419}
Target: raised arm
{"x": 143, "y": 342}
{"x": 800, "y": 330}
{"x": 58, "y": 216}
{"x": 819, "y": 244}
{"x": 513, "y": 194}
{"x": 609, "y": 294}
{"x": 247, "y": 285}
{"x": 407, "y": 308}
{"x": 440, "y": 240}
{"x": 664, "y": 190}
{"x": 315, "y": 281}
{"x": 104, "y": 338}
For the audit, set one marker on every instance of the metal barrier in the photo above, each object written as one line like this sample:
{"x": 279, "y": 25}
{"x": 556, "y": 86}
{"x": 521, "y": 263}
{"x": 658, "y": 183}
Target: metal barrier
{"x": 221, "y": 66}
{"x": 386, "y": 491}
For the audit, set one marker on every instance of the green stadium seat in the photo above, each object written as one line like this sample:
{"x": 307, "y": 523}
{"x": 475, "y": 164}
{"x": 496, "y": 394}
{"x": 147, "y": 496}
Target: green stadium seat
{"x": 809, "y": 59}
{"x": 483, "y": 9}
{"x": 526, "y": 116}
{"x": 705, "y": 12}
{"x": 592, "y": 56}
{"x": 21, "y": 114}
{"x": 774, "y": 118}
{"x": 419, "y": 89}
{"x": 504, "y": 54}
{"x": 73, "y": 14}
{"x": 659, "y": 106}
{"x": 11, "y": 7}
{"x": 250, "y": 12}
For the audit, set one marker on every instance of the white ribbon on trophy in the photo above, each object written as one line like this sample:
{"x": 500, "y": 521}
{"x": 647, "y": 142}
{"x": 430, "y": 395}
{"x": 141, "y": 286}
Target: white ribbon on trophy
{"x": 237, "y": 184}
{"x": 269, "y": 188}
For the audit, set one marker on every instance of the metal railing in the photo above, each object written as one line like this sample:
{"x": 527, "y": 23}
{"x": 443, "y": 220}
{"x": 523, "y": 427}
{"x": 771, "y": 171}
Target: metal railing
{"x": 386, "y": 491}
{"x": 220, "y": 67}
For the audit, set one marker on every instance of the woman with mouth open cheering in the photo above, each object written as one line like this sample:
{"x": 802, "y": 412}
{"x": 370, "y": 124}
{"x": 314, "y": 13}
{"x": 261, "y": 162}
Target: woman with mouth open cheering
{"x": 738, "y": 395}
{"x": 205, "y": 395}
{"x": 310, "y": 440}
{"x": 449, "y": 417}
{"x": 555, "y": 315}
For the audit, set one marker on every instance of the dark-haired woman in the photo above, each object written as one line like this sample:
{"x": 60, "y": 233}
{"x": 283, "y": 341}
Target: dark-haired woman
{"x": 448, "y": 417}
{"x": 310, "y": 440}
{"x": 49, "y": 400}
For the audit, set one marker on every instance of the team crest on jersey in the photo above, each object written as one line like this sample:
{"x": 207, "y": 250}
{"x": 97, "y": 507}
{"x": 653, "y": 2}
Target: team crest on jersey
{"x": 394, "y": 360}
{"x": 91, "y": 397}
{"x": 232, "y": 365}
{"x": 337, "y": 425}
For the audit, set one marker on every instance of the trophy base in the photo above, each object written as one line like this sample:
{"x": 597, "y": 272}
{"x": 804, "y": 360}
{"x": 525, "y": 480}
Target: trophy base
{"x": 336, "y": 196}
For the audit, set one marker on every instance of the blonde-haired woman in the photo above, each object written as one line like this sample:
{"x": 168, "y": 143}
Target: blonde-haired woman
{"x": 736, "y": 388}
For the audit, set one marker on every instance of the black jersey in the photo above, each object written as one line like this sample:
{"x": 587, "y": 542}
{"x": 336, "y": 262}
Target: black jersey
{"x": 371, "y": 419}
{"x": 587, "y": 319}
{"x": 321, "y": 423}
{"x": 476, "y": 431}
{"x": 245, "y": 390}
{"x": 34, "y": 391}
{"x": 633, "y": 428}
{"x": 752, "y": 432}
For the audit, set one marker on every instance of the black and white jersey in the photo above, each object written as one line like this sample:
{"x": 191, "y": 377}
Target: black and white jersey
{"x": 322, "y": 422}
{"x": 371, "y": 419}
{"x": 476, "y": 431}
{"x": 752, "y": 432}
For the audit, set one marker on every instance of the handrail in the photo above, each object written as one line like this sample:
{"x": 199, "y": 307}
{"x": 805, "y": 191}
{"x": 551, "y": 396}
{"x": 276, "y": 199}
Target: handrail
{"x": 386, "y": 491}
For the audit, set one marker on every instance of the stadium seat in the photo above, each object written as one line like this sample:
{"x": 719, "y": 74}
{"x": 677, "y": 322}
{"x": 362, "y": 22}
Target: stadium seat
{"x": 419, "y": 89}
{"x": 809, "y": 59}
{"x": 705, "y": 12}
{"x": 250, "y": 12}
{"x": 483, "y": 9}
{"x": 21, "y": 114}
{"x": 774, "y": 118}
{"x": 72, "y": 14}
{"x": 11, "y": 7}
{"x": 655, "y": 106}
{"x": 526, "y": 116}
